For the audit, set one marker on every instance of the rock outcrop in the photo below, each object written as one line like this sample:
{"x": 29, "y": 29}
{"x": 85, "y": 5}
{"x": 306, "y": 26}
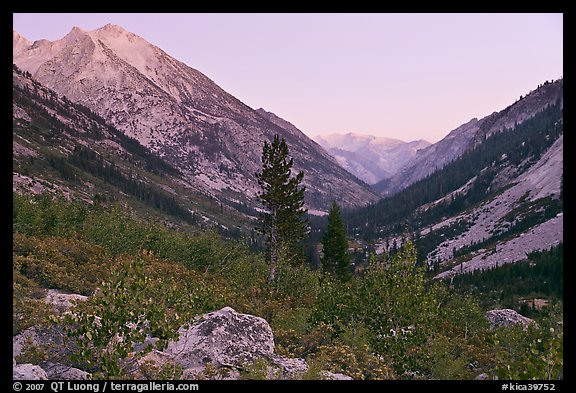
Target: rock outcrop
{"x": 61, "y": 371}
{"x": 506, "y": 317}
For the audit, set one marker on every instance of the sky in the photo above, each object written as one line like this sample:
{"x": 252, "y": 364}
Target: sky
{"x": 405, "y": 76}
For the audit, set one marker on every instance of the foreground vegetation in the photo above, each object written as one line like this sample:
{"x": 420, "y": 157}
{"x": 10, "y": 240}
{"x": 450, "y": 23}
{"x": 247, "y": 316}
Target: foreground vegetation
{"x": 390, "y": 322}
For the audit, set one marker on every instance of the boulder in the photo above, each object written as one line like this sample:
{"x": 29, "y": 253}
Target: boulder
{"x": 334, "y": 376}
{"x": 287, "y": 368}
{"x": 225, "y": 342}
{"x": 485, "y": 377}
{"x": 28, "y": 372}
{"x": 51, "y": 338}
{"x": 52, "y": 342}
{"x": 22, "y": 340}
{"x": 506, "y": 317}
{"x": 61, "y": 371}
{"x": 150, "y": 365}
{"x": 223, "y": 338}
{"x": 61, "y": 301}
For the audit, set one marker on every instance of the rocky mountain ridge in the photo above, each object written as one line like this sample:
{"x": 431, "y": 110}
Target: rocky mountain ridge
{"x": 469, "y": 135}
{"x": 497, "y": 202}
{"x": 179, "y": 114}
{"x": 542, "y": 180}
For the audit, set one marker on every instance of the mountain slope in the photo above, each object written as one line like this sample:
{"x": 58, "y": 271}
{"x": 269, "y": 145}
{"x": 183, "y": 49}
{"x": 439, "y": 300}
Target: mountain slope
{"x": 368, "y": 157}
{"x": 500, "y": 200}
{"x": 179, "y": 114}
{"x": 539, "y": 183}
{"x": 469, "y": 135}
{"x": 64, "y": 148}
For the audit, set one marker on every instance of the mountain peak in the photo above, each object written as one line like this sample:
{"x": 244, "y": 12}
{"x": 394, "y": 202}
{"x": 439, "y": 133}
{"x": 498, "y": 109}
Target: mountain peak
{"x": 112, "y": 31}
{"x": 112, "y": 28}
{"x": 370, "y": 158}
{"x": 76, "y": 31}
{"x": 19, "y": 43}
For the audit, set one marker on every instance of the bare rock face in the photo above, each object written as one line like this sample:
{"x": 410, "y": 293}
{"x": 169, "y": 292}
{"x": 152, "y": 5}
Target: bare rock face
{"x": 179, "y": 113}
{"x": 506, "y": 317}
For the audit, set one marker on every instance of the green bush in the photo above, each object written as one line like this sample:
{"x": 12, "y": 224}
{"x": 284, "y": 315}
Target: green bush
{"x": 396, "y": 309}
{"x": 533, "y": 353}
{"x": 61, "y": 263}
{"x": 27, "y": 309}
{"x": 141, "y": 298}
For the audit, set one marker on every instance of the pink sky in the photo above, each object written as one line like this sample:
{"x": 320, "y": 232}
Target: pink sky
{"x": 404, "y": 76}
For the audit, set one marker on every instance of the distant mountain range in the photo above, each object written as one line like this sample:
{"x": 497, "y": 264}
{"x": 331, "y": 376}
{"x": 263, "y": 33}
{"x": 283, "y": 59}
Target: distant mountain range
{"x": 213, "y": 139}
{"x": 368, "y": 157}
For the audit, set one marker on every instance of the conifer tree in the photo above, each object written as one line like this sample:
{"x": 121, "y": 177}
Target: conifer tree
{"x": 335, "y": 246}
{"x": 283, "y": 223}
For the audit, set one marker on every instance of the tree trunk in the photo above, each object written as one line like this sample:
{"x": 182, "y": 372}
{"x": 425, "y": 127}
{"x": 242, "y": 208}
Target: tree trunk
{"x": 273, "y": 247}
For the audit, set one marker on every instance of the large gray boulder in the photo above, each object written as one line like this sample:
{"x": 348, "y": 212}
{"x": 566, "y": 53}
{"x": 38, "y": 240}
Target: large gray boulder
{"x": 28, "y": 372}
{"x": 62, "y": 302}
{"x": 506, "y": 317}
{"x": 223, "y": 338}
{"x": 225, "y": 342}
{"x": 61, "y": 371}
{"x": 51, "y": 338}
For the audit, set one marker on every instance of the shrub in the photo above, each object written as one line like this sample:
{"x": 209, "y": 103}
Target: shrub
{"x": 532, "y": 353}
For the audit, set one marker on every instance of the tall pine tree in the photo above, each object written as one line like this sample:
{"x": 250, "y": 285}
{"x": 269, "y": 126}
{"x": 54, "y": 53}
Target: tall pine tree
{"x": 335, "y": 246}
{"x": 283, "y": 224}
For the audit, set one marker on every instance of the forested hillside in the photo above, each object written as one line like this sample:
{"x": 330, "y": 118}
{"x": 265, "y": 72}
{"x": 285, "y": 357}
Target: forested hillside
{"x": 425, "y": 202}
